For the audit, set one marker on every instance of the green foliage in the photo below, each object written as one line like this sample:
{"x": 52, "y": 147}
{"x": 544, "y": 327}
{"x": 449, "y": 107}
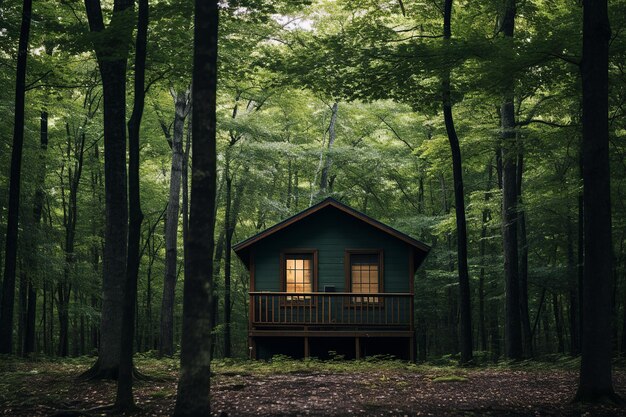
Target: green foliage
{"x": 282, "y": 66}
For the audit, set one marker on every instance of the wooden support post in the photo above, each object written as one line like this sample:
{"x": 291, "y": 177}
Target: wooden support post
{"x": 306, "y": 347}
{"x": 252, "y": 347}
{"x": 412, "y": 348}
{"x": 357, "y": 347}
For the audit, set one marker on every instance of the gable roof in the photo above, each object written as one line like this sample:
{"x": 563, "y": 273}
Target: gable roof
{"x": 242, "y": 248}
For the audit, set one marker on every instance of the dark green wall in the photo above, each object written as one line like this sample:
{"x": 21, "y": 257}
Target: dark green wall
{"x": 331, "y": 232}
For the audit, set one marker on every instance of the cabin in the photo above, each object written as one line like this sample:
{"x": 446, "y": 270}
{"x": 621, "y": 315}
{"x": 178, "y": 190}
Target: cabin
{"x": 331, "y": 280}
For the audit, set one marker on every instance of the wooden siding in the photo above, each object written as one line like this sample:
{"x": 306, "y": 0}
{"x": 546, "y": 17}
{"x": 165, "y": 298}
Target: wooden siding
{"x": 331, "y": 232}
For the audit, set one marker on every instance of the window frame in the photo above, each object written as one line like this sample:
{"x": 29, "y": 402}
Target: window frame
{"x": 284, "y": 254}
{"x": 348, "y": 274}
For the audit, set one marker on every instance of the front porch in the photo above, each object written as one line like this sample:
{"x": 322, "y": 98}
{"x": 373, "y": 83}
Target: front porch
{"x": 305, "y": 321}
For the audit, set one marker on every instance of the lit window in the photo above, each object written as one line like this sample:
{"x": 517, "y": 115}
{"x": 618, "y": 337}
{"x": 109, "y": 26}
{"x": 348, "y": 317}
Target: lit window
{"x": 298, "y": 275}
{"x": 365, "y": 276}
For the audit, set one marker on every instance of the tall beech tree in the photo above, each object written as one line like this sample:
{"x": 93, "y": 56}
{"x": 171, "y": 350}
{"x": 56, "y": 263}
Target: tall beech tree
{"x": 192, "y": 398}
{"x": 124, "y": 399}
{"x": 182, "y": 105}
{"x": 112, "y": 46}
{"x": 459, "y": 199}
{"x": 10, "y": 259}
{"x": 513, "y": 324}
{"x": 71, "y": 170}
{"x": 29, "y": 334}
{"x": 596, "y": 382}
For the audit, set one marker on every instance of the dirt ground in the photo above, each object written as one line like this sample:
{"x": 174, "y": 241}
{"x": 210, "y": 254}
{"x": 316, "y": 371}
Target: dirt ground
{"x": 51, "y": 389}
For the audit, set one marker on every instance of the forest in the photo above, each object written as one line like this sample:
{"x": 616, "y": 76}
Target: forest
{"x": 142, "y": 140}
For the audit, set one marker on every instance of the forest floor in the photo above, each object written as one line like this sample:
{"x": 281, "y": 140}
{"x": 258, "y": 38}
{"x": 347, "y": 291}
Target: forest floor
{"x": 44, "y": 387}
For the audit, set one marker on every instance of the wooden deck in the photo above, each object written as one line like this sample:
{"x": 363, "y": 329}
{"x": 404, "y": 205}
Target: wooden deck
{"x": 314, "y": 315}
{"x": 330, "y": 311}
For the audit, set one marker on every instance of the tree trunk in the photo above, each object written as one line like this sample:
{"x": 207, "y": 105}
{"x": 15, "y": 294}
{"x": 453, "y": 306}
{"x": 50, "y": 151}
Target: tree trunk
{"x": 29, "y": 337}
{"x": 324, "y": 183}
{"x": 595, "y": 369}
{"x": 10, "y": 261}
{"x": 558, "y": 322}
{"x": 232, "y": 211}
{"x": 486, "y": 215}
{"x": 185, "y": 185}
{"x": 22, "y": 303}
{"x": 193, "y": 387}
{"x": 124, "y": 400}
{"x": 623, "y": 345}
{"x": 494, "y": 327}
{"x": 459, "y": 200}
{"x": 166, "y": 341}
{"x": 74, "y": 154}
{"x": 581, "y": 252}
{"x": 112, "y": 62}
{"x": 44, "y": 318}
{"x": 217, "y": 265}
{"x": 51, "y": 320}
{"x": 513, "y": 340}
{"x": 573, "y": 291}
{"x": 523, "y": 264}
{"x": 96, "y": 180}
{"x": 227, "y": 251}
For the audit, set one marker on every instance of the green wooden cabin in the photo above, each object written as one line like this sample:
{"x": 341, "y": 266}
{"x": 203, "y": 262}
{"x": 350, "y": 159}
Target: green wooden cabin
{"x": 331, "y": 279}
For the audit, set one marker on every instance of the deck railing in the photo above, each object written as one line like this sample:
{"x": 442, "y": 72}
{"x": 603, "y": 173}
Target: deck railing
{"x": 332, "y": 309}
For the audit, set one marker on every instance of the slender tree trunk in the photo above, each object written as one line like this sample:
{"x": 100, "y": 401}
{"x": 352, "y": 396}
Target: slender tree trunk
{"x": 227, "y": 250}
{"x": 51, "y": 321}
{"x": 523, "y": 264}
{"x": 595, "y": 369}
{"x": 513, "y": 340}
{"x": 494, "y": 327}
{"x": 29, "y": 341}
{"x": 217, "y": 265}
{"x": 96, "y": 179}
{"x": 124, "y": 399}
{"x": 112, "y": 63}
{"x": 29, "y": 336}
{"x": 44, "y": 318}
{"x": 623, "y": 345}
{"x": 545, "y": 318}
{"x": 558, "y": 322}
{"x": 22, "y": 303}
{"x": 193, "y": 387}
{"x": 324, "y": 183}
{"x": 76, "y": 324}
{"x": 185, "y": 185}
{"x": 483, "y": 248}
{"x": 10, "y": 260}
{"x": 232, "y": 212}
{"x": 74, "y": 153}
{"x": 459, "y": 200}
{"x": 482, "y": 328}
{"x": 581, "y": 252}
{"x": 453, "y": 304}
{"x": 166, "y": 341}
{"x": 573, "y": 291}
{"x": 63, "y": 290}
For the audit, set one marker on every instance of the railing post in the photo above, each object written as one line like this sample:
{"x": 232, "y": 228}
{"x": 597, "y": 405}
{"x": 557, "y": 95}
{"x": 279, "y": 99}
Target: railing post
{"x": 412, "y": 318}
{"x": 251, "y": 311}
